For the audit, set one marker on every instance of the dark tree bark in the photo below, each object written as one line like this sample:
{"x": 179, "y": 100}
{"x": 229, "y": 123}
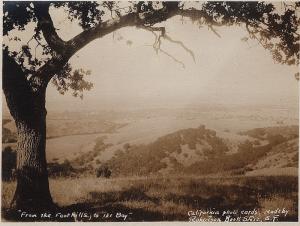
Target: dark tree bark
{"x": 27, "y": 107}
{"x": 32, "y": 177}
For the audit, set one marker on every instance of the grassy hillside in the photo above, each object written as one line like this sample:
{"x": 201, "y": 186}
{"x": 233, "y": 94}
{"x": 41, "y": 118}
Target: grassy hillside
{"x": 200, "y": 151}
{"x": 170, "y": 152}
{"x": 170, "y": 198}
{"x": 194, "y": 151}
{"x": 187, "y": 170}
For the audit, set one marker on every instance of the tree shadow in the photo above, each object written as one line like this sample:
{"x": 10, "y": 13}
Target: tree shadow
{"x": 124, "y": 205}
{"x": 101, "y": 207}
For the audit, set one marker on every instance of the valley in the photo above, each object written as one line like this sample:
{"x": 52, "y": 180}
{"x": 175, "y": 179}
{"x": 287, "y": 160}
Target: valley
{"x": 159, "y": 164}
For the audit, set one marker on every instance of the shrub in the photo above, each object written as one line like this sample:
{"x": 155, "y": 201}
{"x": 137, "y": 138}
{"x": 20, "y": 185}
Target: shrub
{"x": 103, "y": 171}
{"x": 276, "y": 139}
{"x": 60, "y": 169}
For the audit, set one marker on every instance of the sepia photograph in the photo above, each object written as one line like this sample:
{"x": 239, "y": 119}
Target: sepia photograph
{"x": 150, "y": 111}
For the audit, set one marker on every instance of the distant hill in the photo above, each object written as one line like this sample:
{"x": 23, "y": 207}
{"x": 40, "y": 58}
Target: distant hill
{"x": 168, "y": 153}
{"x": 264, "y": 133}
{"x": 64, "y": 126}
{"x": 200, "y": 151}
{"x": 193, "y": 151}
{"x": 281, "y": 159}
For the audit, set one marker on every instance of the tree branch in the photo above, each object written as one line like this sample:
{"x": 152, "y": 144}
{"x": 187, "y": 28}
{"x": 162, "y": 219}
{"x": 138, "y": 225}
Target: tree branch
{"x": 157, "y": 43}
{"x": 65, "y": 50}
{"x": 214, "y": 31}
{"x": 196, "y": 14}
{"x": 45, "y": 73}
{"x": 100, "y": 30}
{"x": 252, "y": 33}
{"x": 136, "y": 19}
{"x": 182, "y": 45}
{"x": 172, "y": 57}
{"x": 45, "y": 24}
{"x": 132, "y": 19}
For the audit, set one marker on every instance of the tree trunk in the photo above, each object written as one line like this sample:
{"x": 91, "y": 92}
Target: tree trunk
{"x": 32, "y": 177}
{"x": 27, "y": 107}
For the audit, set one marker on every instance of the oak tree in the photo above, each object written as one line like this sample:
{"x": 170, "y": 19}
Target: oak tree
{"x": 26, "y": 75}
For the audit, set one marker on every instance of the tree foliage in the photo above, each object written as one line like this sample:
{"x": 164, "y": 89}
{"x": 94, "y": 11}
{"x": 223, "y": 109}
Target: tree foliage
{"x": 274, "y": 26}
{"x": 275, "y": 32}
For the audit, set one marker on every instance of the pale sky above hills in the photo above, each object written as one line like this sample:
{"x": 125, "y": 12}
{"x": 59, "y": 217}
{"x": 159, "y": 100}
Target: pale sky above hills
{"x": 127, "y": 72}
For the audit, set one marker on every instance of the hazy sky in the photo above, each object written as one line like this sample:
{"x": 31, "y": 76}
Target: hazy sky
{"x": 227, "y": 70}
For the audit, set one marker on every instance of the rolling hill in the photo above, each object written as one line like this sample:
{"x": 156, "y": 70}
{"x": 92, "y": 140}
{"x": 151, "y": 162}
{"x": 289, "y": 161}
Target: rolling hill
{"x": 200, "y": 151}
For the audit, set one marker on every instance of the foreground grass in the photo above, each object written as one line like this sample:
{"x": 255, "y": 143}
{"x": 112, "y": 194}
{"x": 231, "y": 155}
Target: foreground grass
{"x": 168, "y": 199}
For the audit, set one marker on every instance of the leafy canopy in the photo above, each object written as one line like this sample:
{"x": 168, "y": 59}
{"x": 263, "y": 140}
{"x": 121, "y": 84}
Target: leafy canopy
{"x": 274, "y": 25}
